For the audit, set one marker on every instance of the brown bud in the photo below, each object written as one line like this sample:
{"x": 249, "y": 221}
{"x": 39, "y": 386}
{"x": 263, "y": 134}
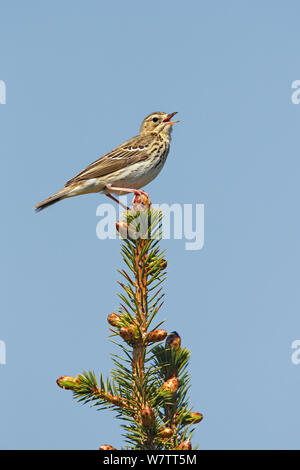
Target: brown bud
{"x": 114, "y": 319}
{"x": 122, "y": 228}
{"x": 156, "y": 335}
{"x": 128, "y": 333}
{"x": 171, "y": 384}
{"x": 67, "y": 382}
{"x": 107, "y": 447}
{"x": 125, "y": 230}
{"x": 147, "y": 416}
{"x": 141, "y": 201}
{"x": 190, "y": 418}
{"x": 173, "y": 340}
{"x": 166, "y": 433}
{"x": 184, "y": 445}
{"x": 193, "y": 418}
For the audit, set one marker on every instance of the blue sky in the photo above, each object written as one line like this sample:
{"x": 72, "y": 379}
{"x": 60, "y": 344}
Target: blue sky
{"x": 80, "y": 77}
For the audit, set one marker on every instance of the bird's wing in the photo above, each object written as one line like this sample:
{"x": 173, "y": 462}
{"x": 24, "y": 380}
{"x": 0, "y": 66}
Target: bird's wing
{"x": 132, "y": 151}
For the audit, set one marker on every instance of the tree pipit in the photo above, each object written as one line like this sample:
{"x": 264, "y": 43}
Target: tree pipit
{"x": 127, "y": 168}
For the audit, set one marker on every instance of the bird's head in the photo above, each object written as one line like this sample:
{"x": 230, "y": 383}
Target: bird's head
{"x": 157, "y": 123}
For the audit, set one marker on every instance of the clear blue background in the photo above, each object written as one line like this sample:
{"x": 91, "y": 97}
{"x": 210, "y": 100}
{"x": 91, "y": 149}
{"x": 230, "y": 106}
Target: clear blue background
{"x": 80, "y": 78}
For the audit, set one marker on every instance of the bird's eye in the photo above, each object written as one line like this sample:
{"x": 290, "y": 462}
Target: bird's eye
{"x": 155, "y": 119}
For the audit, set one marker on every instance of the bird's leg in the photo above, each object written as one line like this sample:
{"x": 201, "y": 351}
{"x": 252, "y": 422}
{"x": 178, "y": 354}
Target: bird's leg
{"x": 138, "y": 192}
{"x": 117, "y": 200}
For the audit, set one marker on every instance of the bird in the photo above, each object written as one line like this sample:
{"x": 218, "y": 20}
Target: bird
{"x": 125, "y": 169}
{"x": 173, "y": 341}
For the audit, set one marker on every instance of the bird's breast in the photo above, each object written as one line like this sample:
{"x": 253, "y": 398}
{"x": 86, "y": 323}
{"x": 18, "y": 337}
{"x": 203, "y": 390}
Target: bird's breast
{"x": 141, "y": 173}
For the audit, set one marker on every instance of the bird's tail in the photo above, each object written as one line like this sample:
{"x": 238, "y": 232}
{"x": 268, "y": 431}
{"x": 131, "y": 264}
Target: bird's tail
{"x": 62, "y": 194}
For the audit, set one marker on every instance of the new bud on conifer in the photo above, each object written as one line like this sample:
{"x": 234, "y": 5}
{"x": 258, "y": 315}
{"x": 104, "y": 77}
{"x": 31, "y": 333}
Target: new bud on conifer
{"x": 172, "y": 384}
{"x": 184, "y": 445}
{"x": 141, "y": 202}
{"x": 67, "y": 382}
{"x": 113, "y": 319}
{"x": 166, "y": 433}
{"x": 147, "y": 416}
{"x": 128, "y": 333}
{"x": 122, "y": 228}
{"x": 173, "y": 340}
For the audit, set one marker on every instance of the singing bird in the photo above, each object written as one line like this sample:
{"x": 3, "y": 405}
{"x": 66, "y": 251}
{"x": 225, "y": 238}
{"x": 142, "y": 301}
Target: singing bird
{"x": 125, "y": 169}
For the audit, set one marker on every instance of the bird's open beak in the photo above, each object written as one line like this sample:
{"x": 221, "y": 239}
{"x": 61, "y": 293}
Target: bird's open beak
{"x": 167, "y": 120}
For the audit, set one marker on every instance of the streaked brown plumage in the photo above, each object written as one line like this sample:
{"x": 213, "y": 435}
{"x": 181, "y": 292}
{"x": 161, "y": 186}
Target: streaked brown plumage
{"x": 125, "y": 169}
